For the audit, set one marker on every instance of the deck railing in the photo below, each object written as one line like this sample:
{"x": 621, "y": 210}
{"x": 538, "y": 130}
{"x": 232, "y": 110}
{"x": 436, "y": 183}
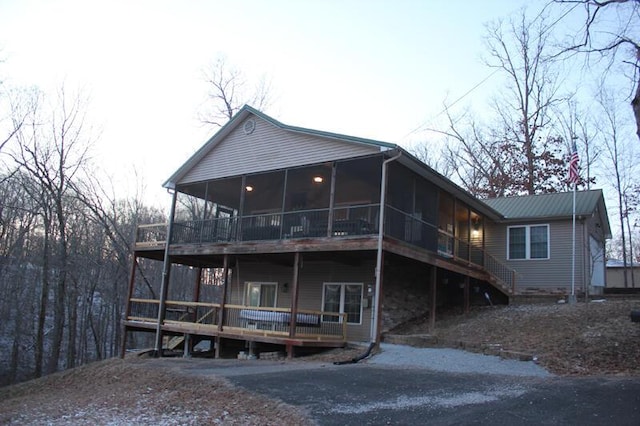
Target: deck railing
{"x": 410, "y": 229}
{"x": 352, "y": 220}
{"x": 243, "y": 320}
{"x": 338, "y": 222}
{"x": 151, "y": 234}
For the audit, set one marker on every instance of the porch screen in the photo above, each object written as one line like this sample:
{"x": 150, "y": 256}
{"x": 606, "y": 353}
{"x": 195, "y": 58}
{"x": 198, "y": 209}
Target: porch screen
{"x": 344, "y": 298}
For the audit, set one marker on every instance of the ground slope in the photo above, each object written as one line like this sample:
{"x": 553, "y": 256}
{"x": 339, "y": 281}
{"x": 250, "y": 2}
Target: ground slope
{"x": 582, "y": 339}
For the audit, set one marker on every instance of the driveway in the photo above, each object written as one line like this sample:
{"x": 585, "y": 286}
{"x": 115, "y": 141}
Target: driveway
{"x": 436, "y": 387}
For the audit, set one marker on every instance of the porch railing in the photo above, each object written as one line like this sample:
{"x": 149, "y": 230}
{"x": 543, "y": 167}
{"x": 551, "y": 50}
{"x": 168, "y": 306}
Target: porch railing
{"x": 352, "y": 220}
{"x": 338, "y": 222}
{"x": 410, "y": 229}
{"x": 273, "y": 322}
{"x": 151, "y": 234}
{"x": 277, "y": 321}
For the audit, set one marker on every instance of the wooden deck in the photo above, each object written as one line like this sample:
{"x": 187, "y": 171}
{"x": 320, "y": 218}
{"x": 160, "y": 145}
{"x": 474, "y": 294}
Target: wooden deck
{"x": 247, "y": 323}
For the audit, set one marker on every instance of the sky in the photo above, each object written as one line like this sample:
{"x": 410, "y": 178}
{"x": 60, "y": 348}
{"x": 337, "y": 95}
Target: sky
{"x": 373, "y": 69}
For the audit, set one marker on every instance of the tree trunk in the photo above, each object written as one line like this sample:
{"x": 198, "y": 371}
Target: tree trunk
{"x": 44, "y": 298}
{"x": 60, "y": 291}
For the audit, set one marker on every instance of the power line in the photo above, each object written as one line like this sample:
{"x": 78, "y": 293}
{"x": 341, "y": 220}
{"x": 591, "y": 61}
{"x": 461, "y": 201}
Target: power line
{"x": 455, "y": 102}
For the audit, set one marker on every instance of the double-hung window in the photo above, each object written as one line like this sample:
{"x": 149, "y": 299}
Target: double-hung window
{"x": 528, "y": 242}
{"x": 343, "y": 298}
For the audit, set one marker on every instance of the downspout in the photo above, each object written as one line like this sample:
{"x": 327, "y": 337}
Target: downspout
{"x": 165, "y": 278}
{"x": 376, "y": 294}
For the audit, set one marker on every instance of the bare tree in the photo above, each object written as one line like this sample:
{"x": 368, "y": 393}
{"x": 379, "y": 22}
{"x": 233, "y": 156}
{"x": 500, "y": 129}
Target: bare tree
{"x": 610, "y": 31}
{"x": 229, "y": 91}
{"x": 519, "y": 50}
{"x": 578, "y": 126}
{"x": 621, "y": 164}
{"x": 52, "y": 151}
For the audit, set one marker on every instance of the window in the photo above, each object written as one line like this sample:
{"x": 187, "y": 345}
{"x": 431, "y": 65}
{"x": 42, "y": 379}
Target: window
{"x": 528, "y": 242}
{"x": 344, "y": 298}
{"x": 262, "y": 295}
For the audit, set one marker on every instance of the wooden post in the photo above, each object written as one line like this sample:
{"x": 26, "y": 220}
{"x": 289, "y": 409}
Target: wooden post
{"x": 196, "y": 287}
{"x": 294, "y": 303}
{"x": 467, "y": 302}
{"x": 332, "y": 195}
{"x": 432, "y": 298}
{"x": 166, "y": 272}
{"x": 188, "y": 341}
{"x": 127, "y": 310}
{"x": 225, "y": 283}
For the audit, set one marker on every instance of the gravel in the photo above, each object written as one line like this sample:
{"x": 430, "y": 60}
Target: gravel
{"x": 454, "y": 361}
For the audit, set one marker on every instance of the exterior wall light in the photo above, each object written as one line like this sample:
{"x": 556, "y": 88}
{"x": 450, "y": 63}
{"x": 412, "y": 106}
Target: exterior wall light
{"x": 318, "y": 179}
{"x": 249, "y": 188}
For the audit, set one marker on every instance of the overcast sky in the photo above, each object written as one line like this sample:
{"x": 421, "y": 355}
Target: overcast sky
{"x": 375, "y": 69}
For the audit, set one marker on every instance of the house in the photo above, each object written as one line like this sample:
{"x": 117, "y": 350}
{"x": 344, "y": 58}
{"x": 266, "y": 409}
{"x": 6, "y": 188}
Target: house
{"x": 535, "y": 238}
{"x": 304, "y": 238}
{"x": 616, "y": 270}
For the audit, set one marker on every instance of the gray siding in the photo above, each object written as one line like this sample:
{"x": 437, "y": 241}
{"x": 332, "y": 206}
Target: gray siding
{"x": 269, "y": 148}
{"x": 551, "y": 275}
{"x": 311, "y": 279}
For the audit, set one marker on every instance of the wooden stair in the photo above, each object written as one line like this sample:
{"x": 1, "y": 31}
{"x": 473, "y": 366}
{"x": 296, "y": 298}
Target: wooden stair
{"x": 175, "y": 342}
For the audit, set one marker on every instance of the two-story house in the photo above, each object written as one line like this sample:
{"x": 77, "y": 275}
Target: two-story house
{"x": 318, "y": 239}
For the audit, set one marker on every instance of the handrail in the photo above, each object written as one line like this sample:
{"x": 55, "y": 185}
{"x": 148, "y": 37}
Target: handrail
{"x": 314, "y": 223}
{"x": 312, "y": 323}
{"x": 423, "y": 234}
{"x": 347, "y": 220}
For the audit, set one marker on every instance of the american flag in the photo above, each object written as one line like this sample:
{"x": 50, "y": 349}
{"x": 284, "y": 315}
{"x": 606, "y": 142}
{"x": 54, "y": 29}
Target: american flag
{"x": 574, "y": 177}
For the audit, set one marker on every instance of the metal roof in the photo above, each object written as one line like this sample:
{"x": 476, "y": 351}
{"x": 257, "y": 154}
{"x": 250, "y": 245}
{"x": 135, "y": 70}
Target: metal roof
{"x": 558, "y": 204}
{"x": 552, "y": 206}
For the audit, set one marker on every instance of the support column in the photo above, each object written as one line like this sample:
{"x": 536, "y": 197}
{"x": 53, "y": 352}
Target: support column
{"x": 127, "y": 310}
{"x": 294, "y": 303}
{"x": 166, "y": 272}
{"x": 467, "y": 302}
{"x": 223, "y": 301}
{"x": 432, "y": 298}
{"x": 188, "y": 341}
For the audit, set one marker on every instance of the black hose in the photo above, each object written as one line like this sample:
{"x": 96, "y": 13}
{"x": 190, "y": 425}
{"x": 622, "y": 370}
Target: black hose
{"x": 358, "y": 358}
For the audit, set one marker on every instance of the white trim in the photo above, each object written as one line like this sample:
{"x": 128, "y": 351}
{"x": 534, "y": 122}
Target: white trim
{"x": 342, "y": 297}
{"x": 245, "y": 295}
{"x": 527, "y": 241}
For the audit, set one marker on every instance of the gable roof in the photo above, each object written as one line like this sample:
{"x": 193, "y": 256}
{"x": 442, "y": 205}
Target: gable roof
{"x": 558, "y": 205}
{"x": 237, "y": 120}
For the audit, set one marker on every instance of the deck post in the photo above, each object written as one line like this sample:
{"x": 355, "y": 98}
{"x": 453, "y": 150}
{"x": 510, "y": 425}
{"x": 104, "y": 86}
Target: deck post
{"x": 432, "y": 298}
{"x": 332, "y": 196}
{"x": 127, "y": 310}
{"x": 294, "y": 302}
{"x": 223, "y": 301}
{"x": 166, "y": 272}
{"x": 467, "y": 303}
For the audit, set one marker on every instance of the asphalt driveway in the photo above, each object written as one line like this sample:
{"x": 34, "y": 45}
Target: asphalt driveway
{"x": 393, "y": 391}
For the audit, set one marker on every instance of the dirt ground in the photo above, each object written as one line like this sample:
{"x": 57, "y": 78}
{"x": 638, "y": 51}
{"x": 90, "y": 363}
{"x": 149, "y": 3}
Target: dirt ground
{"x": 582, "y": 339}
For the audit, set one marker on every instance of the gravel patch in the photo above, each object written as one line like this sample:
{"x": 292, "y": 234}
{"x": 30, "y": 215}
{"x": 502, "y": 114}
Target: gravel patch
{"x": 454, "y": 361}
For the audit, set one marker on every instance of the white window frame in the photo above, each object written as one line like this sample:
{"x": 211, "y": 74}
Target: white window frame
{"x": 527, "y": 241}
{"x": 342, "y": 297}
{"x": 248, "y": 284}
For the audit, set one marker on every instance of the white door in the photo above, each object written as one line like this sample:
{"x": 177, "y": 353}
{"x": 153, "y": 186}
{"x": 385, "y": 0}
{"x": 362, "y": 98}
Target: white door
{"x": 597, "y": 263}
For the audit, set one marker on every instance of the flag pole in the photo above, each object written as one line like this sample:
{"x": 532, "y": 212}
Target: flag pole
{"x": 572, "y": 297}
{"x": 574, "y": 177}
